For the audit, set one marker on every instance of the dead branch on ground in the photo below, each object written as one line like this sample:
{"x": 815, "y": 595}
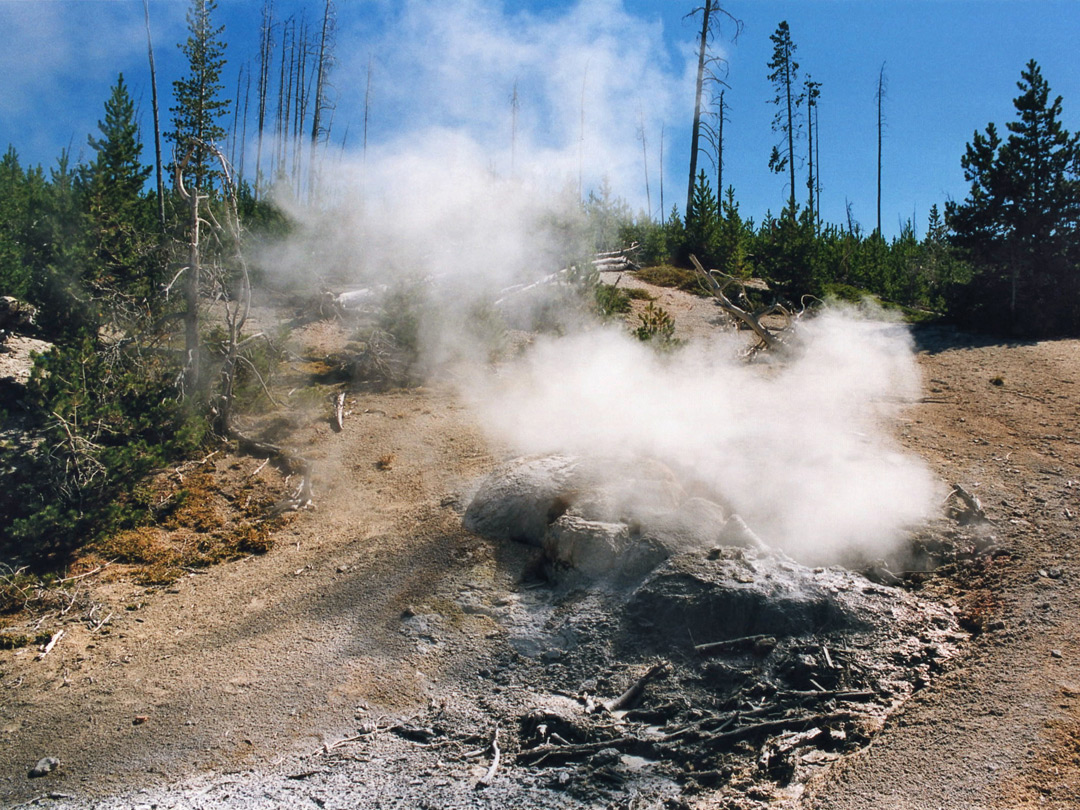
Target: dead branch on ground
{"x": 634, "y": 693}
{"x": 716, "y": 283}
{"x": 496, "y": 757}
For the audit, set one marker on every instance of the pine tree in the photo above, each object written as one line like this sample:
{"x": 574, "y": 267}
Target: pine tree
{"x": 1020, "y": 224}
{"x": 113, "y": 188}
{"x": 703, "y": 222}
{"x": 785, "y": 78}
{"x": 199, "y": 103}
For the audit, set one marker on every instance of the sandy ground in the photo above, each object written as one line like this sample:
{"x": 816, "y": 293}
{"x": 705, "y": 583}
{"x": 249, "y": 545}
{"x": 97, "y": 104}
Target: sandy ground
{"x": 255, "y": 666}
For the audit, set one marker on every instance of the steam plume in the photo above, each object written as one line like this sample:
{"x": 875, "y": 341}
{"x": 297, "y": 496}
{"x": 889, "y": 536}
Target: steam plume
{"x": 800, "y": 450}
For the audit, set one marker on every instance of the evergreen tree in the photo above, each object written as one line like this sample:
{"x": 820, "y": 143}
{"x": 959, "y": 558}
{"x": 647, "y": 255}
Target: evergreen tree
{"x": 1020, "y": 224}
{"x": 14, "y": 274}
{"x": 199, "y": 102}
{"x": 785, "y": 79}
{"x": 703, "y": 223}
{"x": 733, "y": 238}
{"x": 117, "y": 209}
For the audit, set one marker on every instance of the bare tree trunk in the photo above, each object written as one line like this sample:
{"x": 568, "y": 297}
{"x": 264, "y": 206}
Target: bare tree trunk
{"x": 817, "y": 161}
{"x": 810, "y": 149}
{"x": 243, "y": 129}
{"x": 235, "y": 129}
{"x": 367, "y": 109}
{"x": 299, "y": 106}
{"x": 321, "y": 70}
{"x": 513, "y": 127}
{"x": 285, "y": 95}
{"x": 695, "y": 133}
{"x": 880, "y": 123}
{"x": 157, "y": 121}
{"x": 790, "y": 135}
{"x": 265, "y": 55}
{"x": 192, "y": 281}
{"x": 720, "y": 155}
{"x": 645, "y": 160}
{"x": 663, "y": 211}
{"x": 279, "y": 129}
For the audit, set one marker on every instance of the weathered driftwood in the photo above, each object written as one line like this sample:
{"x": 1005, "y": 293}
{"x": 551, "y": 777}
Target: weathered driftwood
{"x": 496, "y": 758}
{"x": 716, "y": 283}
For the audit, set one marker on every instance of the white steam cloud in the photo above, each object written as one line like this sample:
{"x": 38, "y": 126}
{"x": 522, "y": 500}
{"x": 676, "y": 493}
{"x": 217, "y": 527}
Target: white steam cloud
{"x": 800, "y": 449}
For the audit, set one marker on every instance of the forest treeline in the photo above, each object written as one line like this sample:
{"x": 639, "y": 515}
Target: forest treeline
{"x": 109, "y": 253}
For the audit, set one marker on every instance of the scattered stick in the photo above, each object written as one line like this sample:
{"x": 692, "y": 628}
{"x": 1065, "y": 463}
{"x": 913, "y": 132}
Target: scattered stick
{"x": 534, "y": 756}
{"x": 101, "y": 624}
{"x": 87, "y": 574}
{"x": 496, "y": 757}
{"x": 59, "y": 634}
{"x": 838, "y": 694}
{"x": 727, "y": 645}
{"x": 633, "y": 694}
{"x": 770, "y": 726}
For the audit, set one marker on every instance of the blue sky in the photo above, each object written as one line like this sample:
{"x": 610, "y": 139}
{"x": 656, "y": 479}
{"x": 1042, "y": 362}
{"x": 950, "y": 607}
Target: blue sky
{"x": 951, "y": 67}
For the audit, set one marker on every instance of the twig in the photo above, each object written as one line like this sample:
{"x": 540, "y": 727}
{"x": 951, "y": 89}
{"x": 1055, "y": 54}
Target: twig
{"x": 87, "y": 574}
{"x": 496, "y": 757}
{"x": 768, "y": 726}
{"x": 367, "y": 732}
{"x": 59, "y": 634}
{"x": 101, "y": 624}
{"x": 534, "y": 756}
{"x": 743, "y": 642}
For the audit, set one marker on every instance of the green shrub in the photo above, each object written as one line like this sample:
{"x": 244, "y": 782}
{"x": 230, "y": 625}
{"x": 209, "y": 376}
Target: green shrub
{"x": 657, "y": 327}
{"x": 105, "y": 417}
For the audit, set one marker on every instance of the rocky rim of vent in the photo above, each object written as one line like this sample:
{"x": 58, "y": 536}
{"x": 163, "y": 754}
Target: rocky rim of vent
{"x": 753, "y": 662}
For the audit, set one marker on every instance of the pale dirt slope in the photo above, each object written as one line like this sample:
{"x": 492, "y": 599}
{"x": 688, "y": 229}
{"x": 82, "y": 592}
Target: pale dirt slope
{"x": 264, "y": 660}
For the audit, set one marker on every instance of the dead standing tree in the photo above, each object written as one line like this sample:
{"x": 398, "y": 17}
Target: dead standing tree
{"x": 711, "y": 68}
{"x": 191, "y": 378}
{"x": 230, "y": 287}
